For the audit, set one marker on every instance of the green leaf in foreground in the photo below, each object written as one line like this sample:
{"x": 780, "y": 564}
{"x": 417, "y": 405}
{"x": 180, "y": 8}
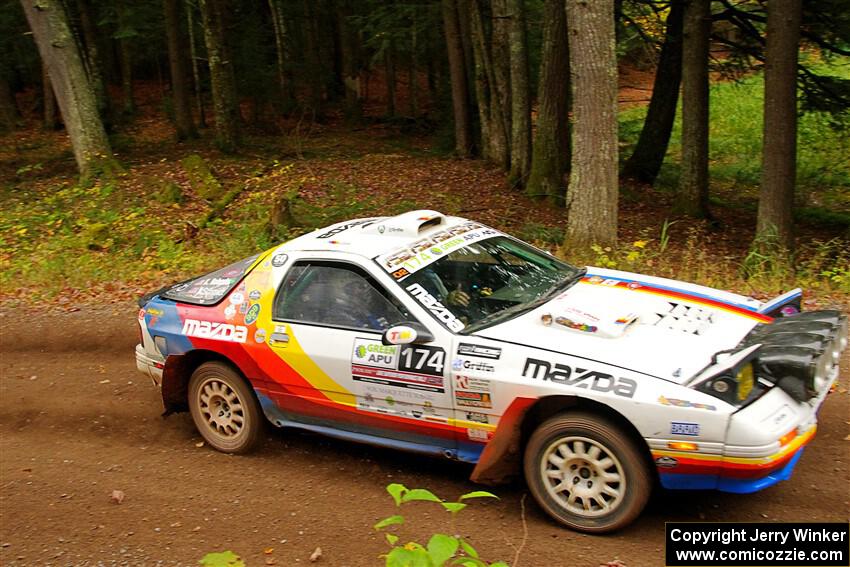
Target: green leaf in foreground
{"x": 453, "y": 507}
{"x": 420, "y": 494}
{"x": 478, "y": 494}
{"x": 391, "y": 521}
{"x": 441, "y": 548}
{"x": 396, "y": 490}
{"x": 221, "y": 559}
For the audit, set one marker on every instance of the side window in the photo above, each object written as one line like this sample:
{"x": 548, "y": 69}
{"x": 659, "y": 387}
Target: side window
{"x": 337, "y": 295}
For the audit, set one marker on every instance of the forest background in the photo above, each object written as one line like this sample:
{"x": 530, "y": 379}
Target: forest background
{"x": 702, "y": 140}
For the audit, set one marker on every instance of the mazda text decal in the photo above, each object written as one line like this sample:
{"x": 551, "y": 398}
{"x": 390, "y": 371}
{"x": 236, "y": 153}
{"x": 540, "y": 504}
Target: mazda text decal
{"x": 216, "y": 331}
{"x": 438, "y": 309}
{"x": 579, "y": 377}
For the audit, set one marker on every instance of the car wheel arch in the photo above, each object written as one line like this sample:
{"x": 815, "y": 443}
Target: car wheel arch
{"x": 178, "y": 371}
{"x": 505, "y": 461}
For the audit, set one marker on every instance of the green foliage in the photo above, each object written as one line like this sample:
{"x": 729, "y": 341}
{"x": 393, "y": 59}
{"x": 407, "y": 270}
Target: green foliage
{"x": 221, "y": 559}
{"x": 823, "y": 168}
{"x": 539, "y": 233}
{"x": 441, "y": 549}
{"x": 201, "y": 179}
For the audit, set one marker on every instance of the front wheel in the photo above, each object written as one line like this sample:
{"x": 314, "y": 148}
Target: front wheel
{"x": 586, "y": 473}
{"x": 224, "y": 408}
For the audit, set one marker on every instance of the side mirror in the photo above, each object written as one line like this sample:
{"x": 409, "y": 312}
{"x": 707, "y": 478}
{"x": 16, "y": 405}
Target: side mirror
{"x": 407, "y": 333}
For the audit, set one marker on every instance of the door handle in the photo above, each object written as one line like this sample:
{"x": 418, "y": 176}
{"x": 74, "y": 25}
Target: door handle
{"x": 278, "y": 339}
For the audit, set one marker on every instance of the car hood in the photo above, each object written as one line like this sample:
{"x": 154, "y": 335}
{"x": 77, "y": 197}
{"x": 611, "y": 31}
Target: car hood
{"x": 656, "y": 326}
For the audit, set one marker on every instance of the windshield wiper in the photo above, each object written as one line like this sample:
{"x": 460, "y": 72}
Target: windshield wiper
{"x": 520, "y": 308}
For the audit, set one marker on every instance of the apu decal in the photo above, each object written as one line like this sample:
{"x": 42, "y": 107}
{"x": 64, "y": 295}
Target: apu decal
{"x": 216, "y": 331}
{"x": 435, "y": 307}
{"x": 579, "y": 377}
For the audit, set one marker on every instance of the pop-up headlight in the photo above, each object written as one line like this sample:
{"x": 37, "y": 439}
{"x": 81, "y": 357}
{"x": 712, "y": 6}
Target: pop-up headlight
{"x": 730, "y": 378}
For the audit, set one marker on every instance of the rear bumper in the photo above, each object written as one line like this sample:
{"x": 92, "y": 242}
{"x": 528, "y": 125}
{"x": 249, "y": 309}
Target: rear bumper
{"x": 148, "y": 365}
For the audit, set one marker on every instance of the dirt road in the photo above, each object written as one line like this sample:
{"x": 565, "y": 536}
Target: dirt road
{"x": 78, "y": 422}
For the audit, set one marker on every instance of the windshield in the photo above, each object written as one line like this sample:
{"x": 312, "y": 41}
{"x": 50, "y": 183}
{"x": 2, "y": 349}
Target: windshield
{"x": 487, "y": 282}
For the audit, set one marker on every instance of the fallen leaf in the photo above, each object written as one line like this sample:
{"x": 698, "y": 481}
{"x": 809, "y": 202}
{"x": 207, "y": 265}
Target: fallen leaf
{"x": 268, "y": 550}
{"x": 316, "y": 555}
{"x": 199, "y": 444}
{"x": 117, "y": 496}
{"x": 105, "y": 381}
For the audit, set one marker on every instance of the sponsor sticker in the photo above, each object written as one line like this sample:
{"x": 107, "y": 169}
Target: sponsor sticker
{"x": 255, "y": 295}
{"x": 215, "y": 331}
{"x": 666, "y": 462}
{"x": 684, "y": 428}
{"x": 373, "y": 353}
{"x": 440, "y": 311}
{"x": 252, "y": 314}
{"x": 469, "y": 383}
{"x": 476, "y": 434}
{"x": 477, "y": 417}
{"x": 579, "y": 377}
{"x": 473, "y": 399}
{"x": 427, "y": 250}
{"x": 684, "y": 404}
{"x": 260, "y": 336}
{"x": 479, "y": 351}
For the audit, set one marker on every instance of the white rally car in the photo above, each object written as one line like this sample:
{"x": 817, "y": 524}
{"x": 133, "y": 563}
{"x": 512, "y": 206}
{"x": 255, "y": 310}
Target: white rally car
{"x": 437, "y": 334}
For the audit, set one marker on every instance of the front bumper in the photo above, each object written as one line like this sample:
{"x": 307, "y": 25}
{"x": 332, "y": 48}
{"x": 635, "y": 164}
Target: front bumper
{"x": 149, "y": 365}
{"x": 764, "y": 442}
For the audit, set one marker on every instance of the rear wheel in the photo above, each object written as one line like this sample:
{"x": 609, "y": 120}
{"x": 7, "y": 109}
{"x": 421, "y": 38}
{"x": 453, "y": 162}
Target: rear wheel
{"x": 585, "y": 472}
{"x": 224, "y": 408}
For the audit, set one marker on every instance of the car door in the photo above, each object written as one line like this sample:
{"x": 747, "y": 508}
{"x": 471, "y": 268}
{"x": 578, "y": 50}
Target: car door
{"x": 329, "y": 316}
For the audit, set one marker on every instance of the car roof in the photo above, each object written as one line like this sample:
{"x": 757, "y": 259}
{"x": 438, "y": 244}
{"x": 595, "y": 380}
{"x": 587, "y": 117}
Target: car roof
{"x": 372, "y": 237}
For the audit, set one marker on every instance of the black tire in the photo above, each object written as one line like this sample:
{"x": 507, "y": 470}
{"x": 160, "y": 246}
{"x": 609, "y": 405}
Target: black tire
{"x": 224, "y": 408}
{"x": 570, "y": 452}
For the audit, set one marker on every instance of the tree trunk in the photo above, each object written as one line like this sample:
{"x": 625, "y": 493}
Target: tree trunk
{"x": 457, "y": 69}
{"x": 179, "y": 73}
{"x": 389, "y": 68}
{"x": 196, "y": 74}
{"x": 222, "y": 78}
{"x": 284, "y": 66}
{"x": 520, "y": 104}
{"x": 91, "y": 61}
{"x": 74, "y": 93}
{"x": 501, "y": 103}
{"x": 8, "y": 107}
{"x": 349, "y": 64}
{"x": 550, "y": 155}
{"x": 645, "y": 162}
{"x": 775, "y": 228}
{"x": 481, "y": 74}
{"x": 412, "y": 87}
{"x": 491, "y": 87}
{"x": 592, "y": 194}
{"x": 50, "y": 121}
{"x": 126, "y": 63}
{"x": 692, "y": 198}
{"x": 313, "y": 59}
